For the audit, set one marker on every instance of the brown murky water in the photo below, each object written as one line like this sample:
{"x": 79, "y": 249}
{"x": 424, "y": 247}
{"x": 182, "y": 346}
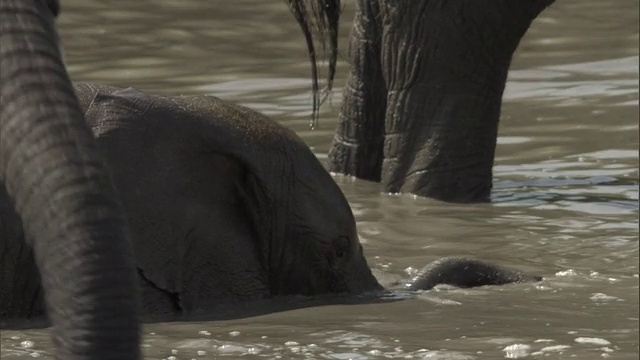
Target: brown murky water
{"x": 565, "y": 199}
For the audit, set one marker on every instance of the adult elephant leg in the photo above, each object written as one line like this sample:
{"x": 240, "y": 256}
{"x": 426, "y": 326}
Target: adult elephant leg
{"x": 445, "y": 64}
{"x": 63, "y": 193}
{"x": 358, "y": 143}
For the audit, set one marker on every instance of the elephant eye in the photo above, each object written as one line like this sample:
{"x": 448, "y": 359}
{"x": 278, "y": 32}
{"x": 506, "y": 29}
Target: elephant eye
{"x": 337, "y": 252}
{"x": 341, "y": 247}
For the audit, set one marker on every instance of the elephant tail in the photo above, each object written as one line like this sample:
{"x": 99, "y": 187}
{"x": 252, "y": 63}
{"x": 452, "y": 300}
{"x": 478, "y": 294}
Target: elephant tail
{"x": 319, "y": 17}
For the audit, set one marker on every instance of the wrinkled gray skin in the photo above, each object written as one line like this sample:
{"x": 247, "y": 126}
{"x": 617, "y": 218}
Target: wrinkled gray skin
{"x": 465, "y": 273}
{"x": 422, "y": 101}
{"x": 74, "y": 252}
{"x": 225, "y": 206}
{"x": 228, "y": 207}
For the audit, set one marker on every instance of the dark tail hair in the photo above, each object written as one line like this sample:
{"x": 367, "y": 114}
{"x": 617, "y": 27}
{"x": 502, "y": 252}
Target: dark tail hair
{"x": 319, "y": 18}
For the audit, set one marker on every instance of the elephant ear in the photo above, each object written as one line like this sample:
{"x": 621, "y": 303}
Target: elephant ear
{"x": 258, "y": 208}
{"x": 181, "y": 195}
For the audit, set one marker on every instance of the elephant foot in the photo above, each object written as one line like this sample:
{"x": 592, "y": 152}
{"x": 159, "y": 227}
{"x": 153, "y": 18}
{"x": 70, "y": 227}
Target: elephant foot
{"x": 466, "y": 273}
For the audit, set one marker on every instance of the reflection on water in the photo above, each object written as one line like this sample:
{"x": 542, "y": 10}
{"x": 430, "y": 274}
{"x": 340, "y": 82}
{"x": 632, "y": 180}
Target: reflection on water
{"x": 577, "y": 84}
{"x": 565, "y": 200}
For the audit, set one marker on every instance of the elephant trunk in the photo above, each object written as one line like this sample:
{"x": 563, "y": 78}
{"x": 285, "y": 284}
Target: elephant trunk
{"x": 466, "y": 273}
{"x": 63, "y": 193}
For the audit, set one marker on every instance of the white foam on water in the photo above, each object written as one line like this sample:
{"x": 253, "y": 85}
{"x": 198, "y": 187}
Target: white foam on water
{"x": 517, "y": 351}
{"x": 592, "y": 341}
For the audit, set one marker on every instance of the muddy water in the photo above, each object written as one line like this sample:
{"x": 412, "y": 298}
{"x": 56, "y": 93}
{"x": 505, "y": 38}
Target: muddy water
{"x": 565, "y": 199}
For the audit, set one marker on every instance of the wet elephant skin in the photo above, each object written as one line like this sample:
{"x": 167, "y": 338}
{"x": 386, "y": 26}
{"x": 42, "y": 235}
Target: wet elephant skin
{"x": 228, "y": 207}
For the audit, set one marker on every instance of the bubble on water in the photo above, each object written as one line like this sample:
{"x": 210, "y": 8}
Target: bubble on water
{"x": 544, "y": 340}
{"x": 411, "y": 271}
{"x": 172, "y": 358}
{"x": 201, "y": 353}
{"x": 234, "y": 333}
{"x": 569, "y": 272}
{"x": 572, "y": 332}
{"x": 592, "y": 341}
{"x": 602, "y": 297}
{"x": 237, "y": 349}
{"x": 204, "y": 332}
{"x": 291, "y": 343}
{"x": 174, "y": 352}
{"x": 555, "y": 348}
{"x": 550, "y": 349}
{"x": 516, "y": 351}
{"x": 27, "y": 344}
{"x": 263, "y": 337}
{"x": 543, "y": 287}
{"x": 15, "y": 337}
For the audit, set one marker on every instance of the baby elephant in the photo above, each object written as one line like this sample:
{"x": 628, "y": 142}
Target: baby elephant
{"x": 225, "y": 207}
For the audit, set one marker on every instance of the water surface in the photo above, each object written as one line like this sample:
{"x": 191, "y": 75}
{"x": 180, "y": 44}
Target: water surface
{"x": 565, "y": 202}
